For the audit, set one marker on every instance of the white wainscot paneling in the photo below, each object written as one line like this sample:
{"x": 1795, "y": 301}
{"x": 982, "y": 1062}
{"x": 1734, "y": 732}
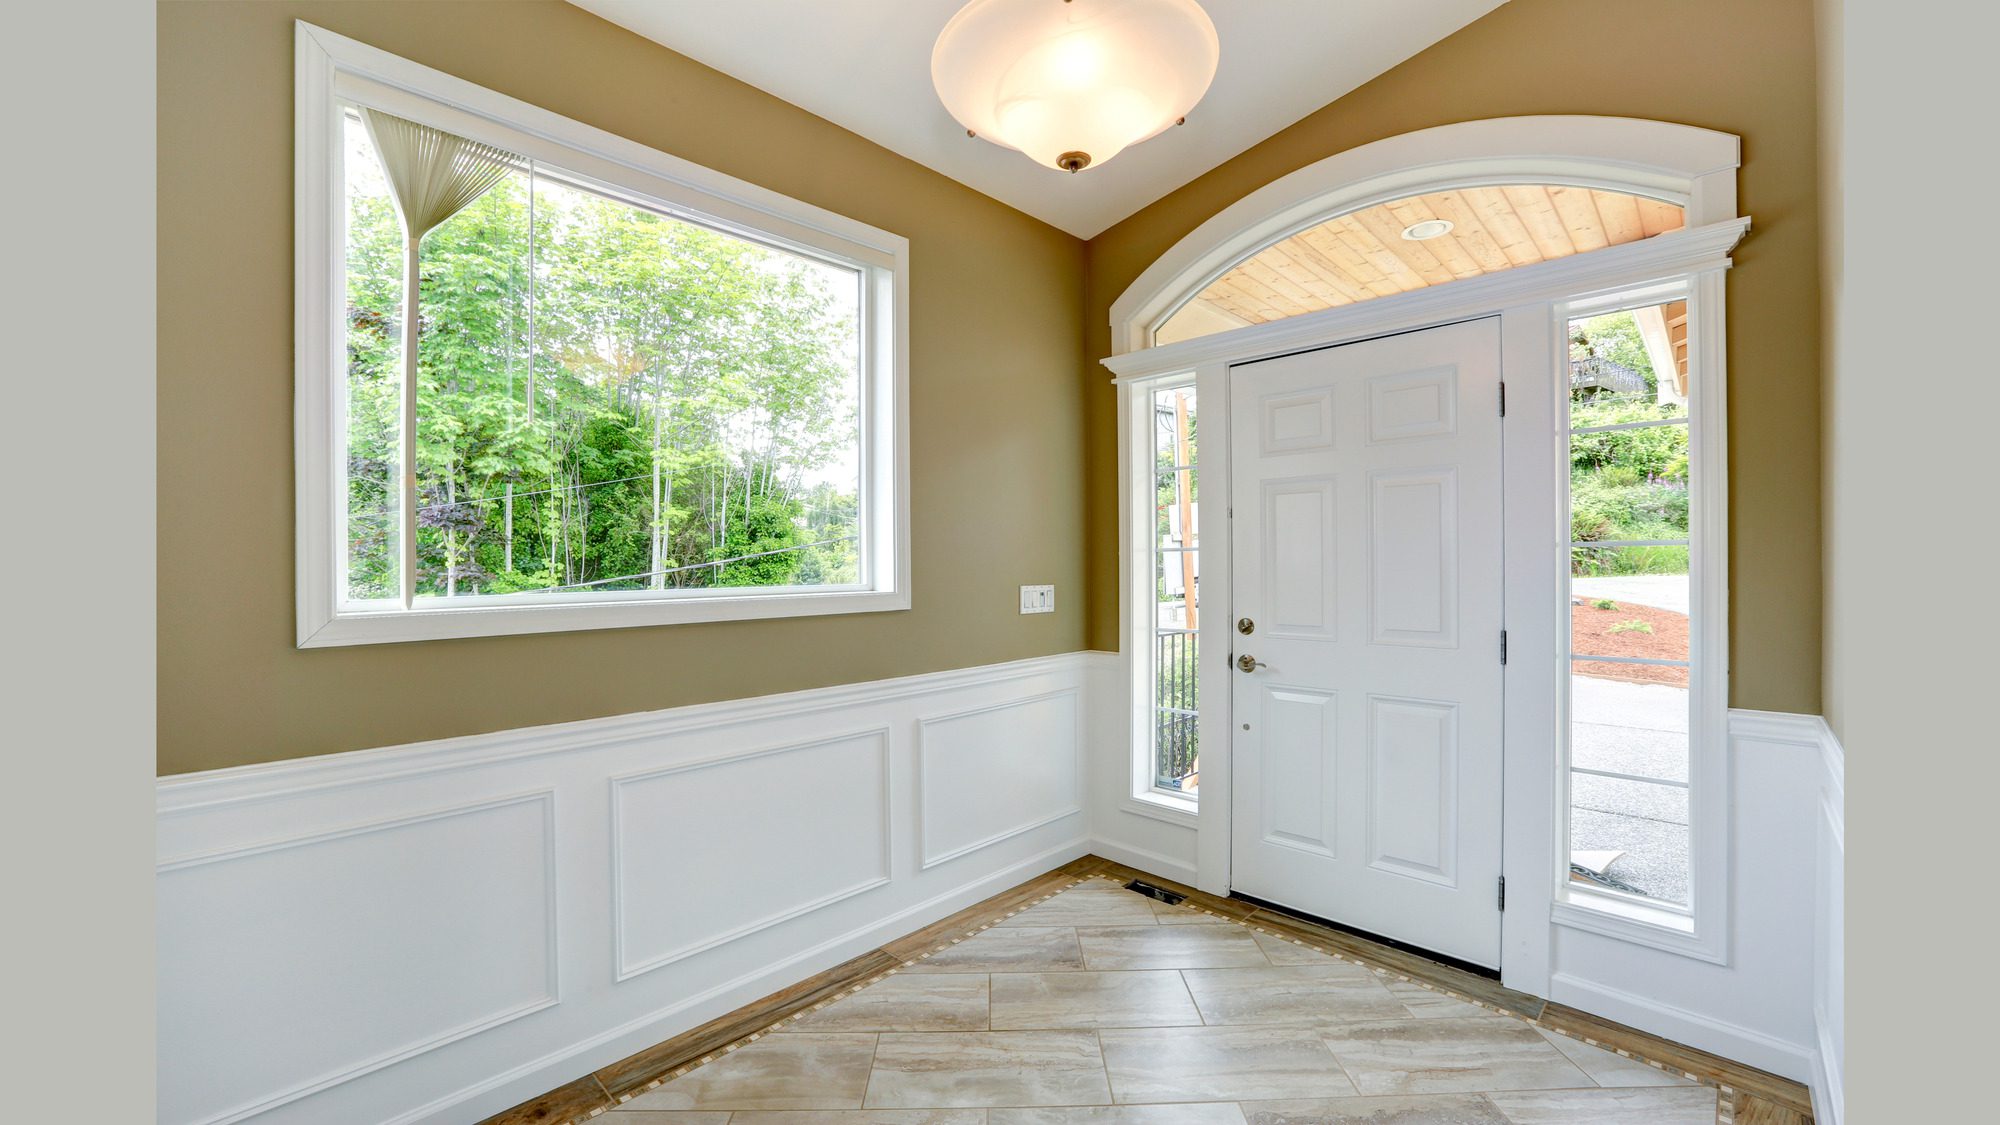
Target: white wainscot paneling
{"x": 817, "y": 833}
{"x": 373, "y": 936}
{"x": 1829, "y": 947}
{"x": 994, "y": 772}
{"x": 1757, "y": 1007}
{"x": 1122, "y": 827}
{"x": 276, "y": 972}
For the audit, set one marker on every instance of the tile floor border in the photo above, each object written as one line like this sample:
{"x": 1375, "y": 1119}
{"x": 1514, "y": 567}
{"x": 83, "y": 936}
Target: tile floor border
{"x": 1077, "y": 874}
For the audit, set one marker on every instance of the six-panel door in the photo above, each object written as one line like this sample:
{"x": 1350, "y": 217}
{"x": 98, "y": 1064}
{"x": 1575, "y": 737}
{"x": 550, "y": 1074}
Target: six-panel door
{"x": 1366, "y": 544}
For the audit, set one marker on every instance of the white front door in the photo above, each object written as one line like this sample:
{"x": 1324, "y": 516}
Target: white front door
{"x": 1366, "y": 549}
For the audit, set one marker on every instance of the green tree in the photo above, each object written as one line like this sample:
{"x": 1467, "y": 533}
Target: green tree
{"x": 608, "y": 398}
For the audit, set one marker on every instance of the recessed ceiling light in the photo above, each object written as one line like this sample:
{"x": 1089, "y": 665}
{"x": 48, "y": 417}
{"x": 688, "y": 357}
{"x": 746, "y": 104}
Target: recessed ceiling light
{"x": 1429, "y": 228}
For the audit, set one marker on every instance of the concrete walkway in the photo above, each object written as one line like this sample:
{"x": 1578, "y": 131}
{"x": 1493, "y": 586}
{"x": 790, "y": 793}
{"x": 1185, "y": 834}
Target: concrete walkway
{"x": 1637, "y": 729}
{"x": 1661, "y": 591}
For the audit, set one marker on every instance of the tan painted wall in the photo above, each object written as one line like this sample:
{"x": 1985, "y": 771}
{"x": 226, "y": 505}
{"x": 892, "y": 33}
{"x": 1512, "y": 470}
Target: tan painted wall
{"x": 997, "y": 415}
{"x": 1741, "y": 67}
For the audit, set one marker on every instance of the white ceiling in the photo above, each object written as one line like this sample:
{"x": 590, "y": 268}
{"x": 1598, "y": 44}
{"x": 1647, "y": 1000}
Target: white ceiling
{"x": 865, "y": 65}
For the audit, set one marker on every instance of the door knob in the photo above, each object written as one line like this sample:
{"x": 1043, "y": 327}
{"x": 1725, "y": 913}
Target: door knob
{"x": 1250, "y": 663}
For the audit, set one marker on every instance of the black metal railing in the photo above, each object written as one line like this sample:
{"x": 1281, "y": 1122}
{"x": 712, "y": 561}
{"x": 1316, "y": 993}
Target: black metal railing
{"x": 1176, "y": 736}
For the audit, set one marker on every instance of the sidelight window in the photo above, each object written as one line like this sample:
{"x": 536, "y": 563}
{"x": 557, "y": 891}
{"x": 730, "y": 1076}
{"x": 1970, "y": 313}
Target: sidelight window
{"x": 1633, "y": 609}
{"x": 1177, "y": 589}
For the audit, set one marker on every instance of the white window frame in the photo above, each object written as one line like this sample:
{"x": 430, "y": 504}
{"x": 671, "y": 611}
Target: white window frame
{"x": 334, "y": 71}
{"x": 1699, "y": 929}
{"x": 1692, "y": 167}
{"x": 1136, "y": 471}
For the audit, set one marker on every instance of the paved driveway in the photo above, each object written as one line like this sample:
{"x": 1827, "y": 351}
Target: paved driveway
{"x": 1661, "y": 591}
{"x": 1637, "y": 729}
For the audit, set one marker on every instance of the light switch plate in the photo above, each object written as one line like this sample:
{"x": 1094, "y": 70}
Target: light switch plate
{"x": 1038, "y": 599}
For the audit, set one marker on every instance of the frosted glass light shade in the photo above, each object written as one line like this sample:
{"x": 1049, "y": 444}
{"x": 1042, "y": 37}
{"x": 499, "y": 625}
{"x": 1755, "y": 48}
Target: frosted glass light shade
{"x": 1073, "y": 82}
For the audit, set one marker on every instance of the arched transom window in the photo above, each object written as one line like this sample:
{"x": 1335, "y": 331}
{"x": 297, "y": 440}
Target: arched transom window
{"x": 1413, "y": 243}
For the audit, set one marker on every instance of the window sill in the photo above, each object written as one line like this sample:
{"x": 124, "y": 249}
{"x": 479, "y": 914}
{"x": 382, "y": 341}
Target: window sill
{"x": 1181, "y": 811}
{"x": 426, "y": 623}
{"x": 1637, "y": 923}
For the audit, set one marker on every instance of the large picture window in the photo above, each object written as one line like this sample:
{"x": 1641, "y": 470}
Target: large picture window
{"x": 568, "y": 399}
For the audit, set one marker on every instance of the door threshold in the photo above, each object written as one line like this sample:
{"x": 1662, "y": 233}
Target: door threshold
{"x": 1367, "y": 935}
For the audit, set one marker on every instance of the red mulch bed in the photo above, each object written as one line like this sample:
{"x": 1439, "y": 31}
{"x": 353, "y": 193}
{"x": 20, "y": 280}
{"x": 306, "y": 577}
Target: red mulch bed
{"x": 1590, "y": 632}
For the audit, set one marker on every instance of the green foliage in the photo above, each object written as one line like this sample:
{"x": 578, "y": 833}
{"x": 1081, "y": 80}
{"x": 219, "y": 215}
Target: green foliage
{"x": 1633, "y": 626}
{"x": 1604, "y": 603}
{"x": 656, "y": 399}
{"x": 1625, "y": 484}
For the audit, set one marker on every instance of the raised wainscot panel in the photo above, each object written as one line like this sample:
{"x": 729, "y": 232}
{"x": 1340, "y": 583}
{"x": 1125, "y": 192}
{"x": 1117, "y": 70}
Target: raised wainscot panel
{"x": 1299, "y": 746}
{"x": 706, "y": 852}
{"x": 1413, "y": 788}
{"x": 995, "y": 772}
{"x": 1413, "y": 557}
{"x": 384, "y": 940}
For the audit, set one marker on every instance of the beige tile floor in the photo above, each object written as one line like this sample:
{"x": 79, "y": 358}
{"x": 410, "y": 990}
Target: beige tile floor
{"x": 1100, "y": 1007}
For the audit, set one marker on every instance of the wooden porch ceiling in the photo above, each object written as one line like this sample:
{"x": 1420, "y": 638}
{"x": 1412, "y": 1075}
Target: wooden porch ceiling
{"x": 1363, "y": 254}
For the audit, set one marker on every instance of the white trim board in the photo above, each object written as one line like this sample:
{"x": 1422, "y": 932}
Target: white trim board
{"x": 692, "y": 860}
{"x": 1683, "y": 1025}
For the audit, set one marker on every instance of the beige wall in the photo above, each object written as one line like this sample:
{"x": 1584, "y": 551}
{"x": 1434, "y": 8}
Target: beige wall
{"x": 996, "y": 411}
{"x": 999, "y": 303}
{"x": 1744, "y": 68}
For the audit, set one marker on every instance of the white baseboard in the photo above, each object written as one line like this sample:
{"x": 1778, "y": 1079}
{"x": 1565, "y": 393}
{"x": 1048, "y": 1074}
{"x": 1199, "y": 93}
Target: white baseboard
{"x": 429, "y": 934}
{"x": 1731, "y": 1041}
{"x": 1151, "y": 862}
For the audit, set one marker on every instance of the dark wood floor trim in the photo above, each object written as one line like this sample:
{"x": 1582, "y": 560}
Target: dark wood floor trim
{"x": 1761, "y": 1085}
{"x": 1754, "y": 1095}
{"x": 577, "y": 1100}
{"x": 637, "y": 1073}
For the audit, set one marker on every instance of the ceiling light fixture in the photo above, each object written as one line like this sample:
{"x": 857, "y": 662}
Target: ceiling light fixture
{"x": 1072, "y": 83}
{"x": 1429, "y": 228}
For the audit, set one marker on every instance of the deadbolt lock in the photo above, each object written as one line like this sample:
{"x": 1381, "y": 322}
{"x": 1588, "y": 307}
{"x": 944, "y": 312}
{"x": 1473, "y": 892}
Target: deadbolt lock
{"x": 1245, "y": 626}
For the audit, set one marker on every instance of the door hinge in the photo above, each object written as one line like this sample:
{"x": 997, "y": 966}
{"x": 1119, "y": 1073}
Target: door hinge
{"x": 1503, "y": 400}
{"x": 1503, "y": 893}
{"x": 1503, "y": 646}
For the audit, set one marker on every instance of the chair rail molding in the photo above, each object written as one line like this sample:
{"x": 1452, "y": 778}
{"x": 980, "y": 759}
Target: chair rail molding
{"x": 470, "y": 922}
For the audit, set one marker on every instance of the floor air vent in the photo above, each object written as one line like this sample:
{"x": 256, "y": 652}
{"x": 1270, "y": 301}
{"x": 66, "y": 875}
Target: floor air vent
{"x": 1151, "y": 891}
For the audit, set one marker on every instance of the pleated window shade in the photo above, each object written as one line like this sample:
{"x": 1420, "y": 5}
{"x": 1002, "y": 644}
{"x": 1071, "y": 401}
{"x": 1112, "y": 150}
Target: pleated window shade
{"x": 433, "y": 175}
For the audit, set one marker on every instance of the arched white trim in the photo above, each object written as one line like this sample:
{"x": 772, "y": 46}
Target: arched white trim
{"x": 1682, "y": 164}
